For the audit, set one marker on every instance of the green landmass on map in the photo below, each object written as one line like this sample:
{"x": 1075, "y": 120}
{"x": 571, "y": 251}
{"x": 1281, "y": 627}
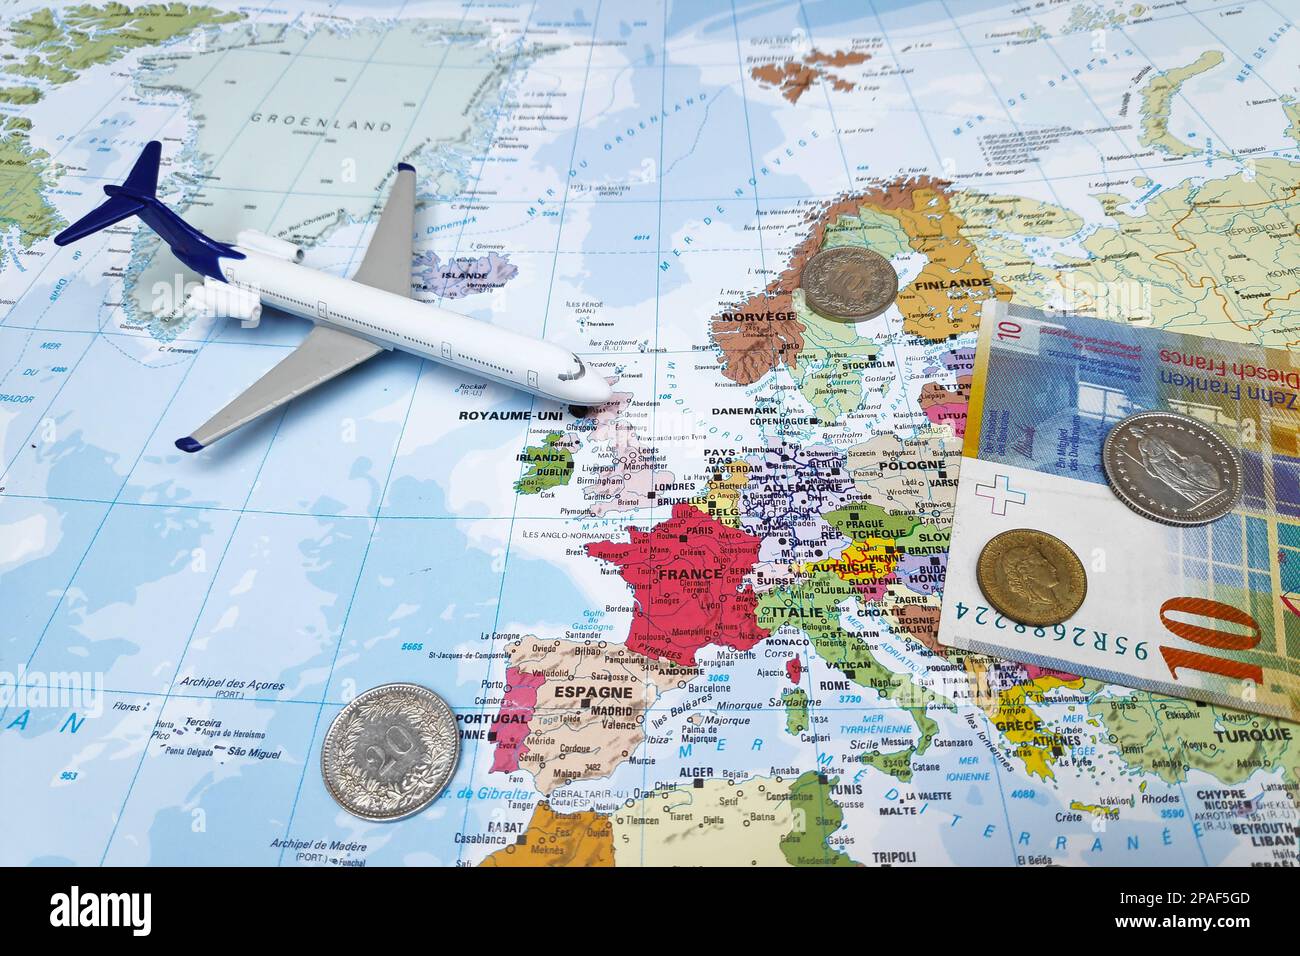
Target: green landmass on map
{"x": 548, "y": 465}
{"x": 85, "y": 36}
{"x": 1157, "y": 101}
{"x": 817, "y": 817}
{"x": 56, "y": 51}
{"x": 1171, "y": 738}
{"x": 818, "y": 598}
{"x": 795, "y": 700}
{"x": 23, "y": 179}
{"x": 20, "y": 95}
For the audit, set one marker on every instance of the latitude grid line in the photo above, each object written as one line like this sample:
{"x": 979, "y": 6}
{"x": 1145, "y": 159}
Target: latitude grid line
{"x": 1158, "y": 17}
{"x": 253, "y": 485}
{"x": 1000, "y": 180}
{"x": 654, "y": 708}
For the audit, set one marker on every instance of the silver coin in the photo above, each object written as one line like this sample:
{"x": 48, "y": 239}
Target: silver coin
{"x": 1172, "y": 468}
{"x": 849, "y": 282}
{"x": 390, "y": 752}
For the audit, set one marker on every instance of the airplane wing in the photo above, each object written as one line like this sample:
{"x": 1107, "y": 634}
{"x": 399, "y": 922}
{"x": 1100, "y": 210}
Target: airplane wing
{"x": 323, "y": 354}
{"x": 327, "y": 351}
{"x": 387, "y": 264}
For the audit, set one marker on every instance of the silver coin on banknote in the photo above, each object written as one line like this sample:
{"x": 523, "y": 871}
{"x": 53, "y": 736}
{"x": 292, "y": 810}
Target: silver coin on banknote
{"x": 849, "y": 282}
{"x": 1032, "y": 577}
{"x": 390, "y": 752}
{"x": 1172, "y": 468}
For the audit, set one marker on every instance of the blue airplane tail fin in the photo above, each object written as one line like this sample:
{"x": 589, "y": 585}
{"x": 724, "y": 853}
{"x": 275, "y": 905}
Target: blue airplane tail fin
{"x": 142, "y": 181}
{"x": 123, "y": 201}
{"x": 137, "y": 196}
{"x": 101, "y": 217}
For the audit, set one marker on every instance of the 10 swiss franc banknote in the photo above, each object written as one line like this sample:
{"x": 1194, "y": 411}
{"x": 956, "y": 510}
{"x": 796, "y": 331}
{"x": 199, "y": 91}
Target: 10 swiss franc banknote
{"x": 1209, "y": 612}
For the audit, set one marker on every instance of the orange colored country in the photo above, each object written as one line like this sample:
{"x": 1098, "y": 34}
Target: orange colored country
{"x": 560, "y": 839}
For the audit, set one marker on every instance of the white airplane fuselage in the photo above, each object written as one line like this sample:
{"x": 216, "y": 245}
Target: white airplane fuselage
{"x": 394, "y": 321}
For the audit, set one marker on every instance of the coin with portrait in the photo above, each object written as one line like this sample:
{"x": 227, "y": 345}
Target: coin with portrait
{"x": 1031, "y": 577}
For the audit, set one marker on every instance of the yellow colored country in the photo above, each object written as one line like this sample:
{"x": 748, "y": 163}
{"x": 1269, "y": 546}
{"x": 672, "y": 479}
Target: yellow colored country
{"x": 719, "y": 824}
{"x": 722, "y": 499}
{"x": 1035, "y": 746}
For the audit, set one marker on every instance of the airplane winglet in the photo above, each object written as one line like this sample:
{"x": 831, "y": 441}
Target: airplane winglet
{"x": 188, "y": 444}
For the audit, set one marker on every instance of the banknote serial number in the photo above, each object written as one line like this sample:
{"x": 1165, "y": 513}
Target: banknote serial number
{"x": 1083, "y": 637}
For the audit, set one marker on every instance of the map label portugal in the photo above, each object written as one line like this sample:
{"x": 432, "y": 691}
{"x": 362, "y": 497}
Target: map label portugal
{"x": 687, "y": 575}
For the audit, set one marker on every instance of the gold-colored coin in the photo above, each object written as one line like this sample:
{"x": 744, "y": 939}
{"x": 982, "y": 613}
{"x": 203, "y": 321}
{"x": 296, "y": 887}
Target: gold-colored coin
{"x": 1031, "y": 577}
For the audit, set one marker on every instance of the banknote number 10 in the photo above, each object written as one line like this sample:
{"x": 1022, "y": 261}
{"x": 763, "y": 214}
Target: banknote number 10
{"x": 1009, "y": 331}
{"x": 1176, "y": 657}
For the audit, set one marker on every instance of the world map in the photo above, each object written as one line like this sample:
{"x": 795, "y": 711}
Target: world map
{"x": 699, "y": 625}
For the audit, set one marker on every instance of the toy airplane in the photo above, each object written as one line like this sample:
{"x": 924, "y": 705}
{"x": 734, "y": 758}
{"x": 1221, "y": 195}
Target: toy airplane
{"x": 355, "y": 318}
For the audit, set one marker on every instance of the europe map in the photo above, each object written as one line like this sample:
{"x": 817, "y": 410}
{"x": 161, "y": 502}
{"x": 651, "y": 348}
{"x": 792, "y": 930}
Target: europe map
{"x": 697, "y": 626}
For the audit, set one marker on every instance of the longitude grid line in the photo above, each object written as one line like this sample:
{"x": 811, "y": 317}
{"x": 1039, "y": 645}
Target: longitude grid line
{"x": 180, "y": 659}
{"x": 252, "y": 488}
{"x": 848, "y": 176}
{"x": 783, "y": 430}
{"x": 654, "y": 379}
{"x": 514, "y": 510}
{"x": 338, "y": 647}
{"x": 839, "y": 140}
{"x": 934, "y": 147}
{"x": 54, "y": 611}
{"x": 998, "y": 770}
{"x": 1183, "y": 778}
{"x": 1080, "y": 86}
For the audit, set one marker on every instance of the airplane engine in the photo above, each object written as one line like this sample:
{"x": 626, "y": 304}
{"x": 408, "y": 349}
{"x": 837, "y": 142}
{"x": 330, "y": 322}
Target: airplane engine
{"x": 271, "y": 246}
{"x": 217, "y": 298}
